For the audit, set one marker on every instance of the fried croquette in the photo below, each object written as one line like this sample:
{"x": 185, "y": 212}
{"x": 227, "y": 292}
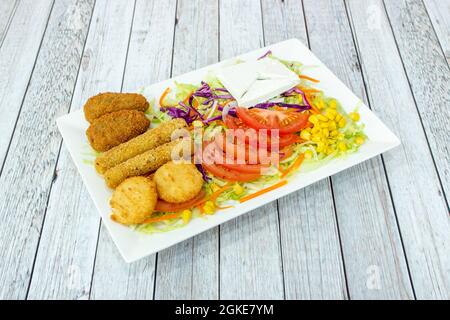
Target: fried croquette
{"x": 146, "y": 141}
{"x": 147, "y": 162}
{"x": 134, "y": 200}
{"x": 108, "y": 102}
{"x": 115, "y": 128}
{"x": 178, "y": 182}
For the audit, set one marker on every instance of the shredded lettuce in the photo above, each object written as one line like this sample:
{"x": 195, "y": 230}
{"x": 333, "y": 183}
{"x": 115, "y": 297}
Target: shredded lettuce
{"x": 180, "y": 93}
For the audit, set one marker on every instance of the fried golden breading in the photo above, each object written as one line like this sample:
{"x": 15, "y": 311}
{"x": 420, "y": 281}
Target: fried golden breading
{"x": 115, "y": 128}
{"x": 134, "y": 200}
{"x": 146, "y": 141}
{"x": 147, "y": 162}
{"x": 108, "y": 102}
{"x": 178, "y": 182}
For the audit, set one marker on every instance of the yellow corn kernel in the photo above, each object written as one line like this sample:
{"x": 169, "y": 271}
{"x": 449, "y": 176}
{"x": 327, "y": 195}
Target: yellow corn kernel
{"x": 238, "y": 189}
{"x": 342, "y": 146}
{"x": 338, "y": 117}
{"x": 308, "y": 154}
{"x": 330, "y": 150}
{"x": 332, "y": 125}
{"x": 325, "y": 132}
{"x": 360, "y": 140}
{"x": 320, "y": 147}
{"x": 324, "y": 124}
{"x": 321, "y": 117}
{"x": 333, "y": 104}
{"x": 354, "y": 116}
{"x": 316, "y": 138}
{"x": 340, "y": 136}
{"x": 342, "y": 123}
{"x": 209, "y": 207}
{"x": 186, "y": 215}
{"x": 330, "y": 114}
{"x": 305, "y": 135}
{"x": 315, "y": 130}
{"x": 214, "y": 187}
{"x": 313, "y": 119}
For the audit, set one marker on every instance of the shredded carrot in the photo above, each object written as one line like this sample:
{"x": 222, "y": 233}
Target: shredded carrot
{"x": 314, "y": 109}
{"x": 294, "y": 166}
{"x": 226, "y": 207}
{"x": 260, "y": 192}
{"x": 186, "y": 100}
{"x": 217, "y": 193}
{"x": 309, "y": 90}
{"x": 214, "y": 197}
{"x": 163, "y": 96}
{"x": 308, "y": 78}
{"x": 162, "y": 218}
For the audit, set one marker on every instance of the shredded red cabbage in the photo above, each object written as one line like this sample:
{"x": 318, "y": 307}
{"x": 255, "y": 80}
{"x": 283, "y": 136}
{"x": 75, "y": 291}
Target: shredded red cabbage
{"x": 205, "y": 91}
{"x": 186, "y": 114}
{"x": 291, "y": 92}
{"x": 212, "y": 119}
{"x": 296, "y": 90}
{"x": 203, "y": 172}
{"x": 231, "y": 112}
{"x": 283, "y": 105}
{"x": 265, "y": 55}
{"x": 191, "y": 108}
{"x": 221, "y": 89}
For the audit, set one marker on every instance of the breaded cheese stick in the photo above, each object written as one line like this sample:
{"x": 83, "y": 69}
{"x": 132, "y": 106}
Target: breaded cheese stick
{"x": 138, "y": 145}
{"x": 147, "y": 162}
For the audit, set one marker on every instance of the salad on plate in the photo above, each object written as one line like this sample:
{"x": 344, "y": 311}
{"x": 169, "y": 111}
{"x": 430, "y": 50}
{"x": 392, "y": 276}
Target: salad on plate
{"x": 242, "y": 151}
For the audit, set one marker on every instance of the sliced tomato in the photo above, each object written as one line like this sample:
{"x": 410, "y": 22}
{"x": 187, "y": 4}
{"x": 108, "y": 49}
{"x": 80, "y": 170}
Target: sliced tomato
{"x": 234, "y": 123}
{"x": 164, "y": 206}
{"x": 245, "y": 168}
{"x": 225, "y": 146}
{"x": 286, "y": 121}
{"x": 285, "y": 140}
{"x": 229, "y": 175}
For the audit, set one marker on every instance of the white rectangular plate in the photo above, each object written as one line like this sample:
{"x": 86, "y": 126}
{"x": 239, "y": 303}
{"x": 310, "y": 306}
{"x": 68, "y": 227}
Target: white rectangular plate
{"x": 134, "y": 245}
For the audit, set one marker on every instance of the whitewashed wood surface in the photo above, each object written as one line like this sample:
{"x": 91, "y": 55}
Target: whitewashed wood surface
{"x": 380, "y": 230}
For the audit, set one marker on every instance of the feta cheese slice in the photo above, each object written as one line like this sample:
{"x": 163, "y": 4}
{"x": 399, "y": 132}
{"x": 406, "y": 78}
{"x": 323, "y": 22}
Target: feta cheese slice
{"x": 257, "y": 81}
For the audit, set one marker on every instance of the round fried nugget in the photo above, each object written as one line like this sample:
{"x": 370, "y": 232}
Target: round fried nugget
{"x": 178, "y": 182}
{"x": 115, "y": 128}
{"x": 108, "y": 102}
{"x": 134, "y": 200}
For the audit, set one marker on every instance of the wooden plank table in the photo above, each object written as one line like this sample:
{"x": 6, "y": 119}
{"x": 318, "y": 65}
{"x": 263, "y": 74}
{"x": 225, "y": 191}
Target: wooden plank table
{"x": 380, "y": 230}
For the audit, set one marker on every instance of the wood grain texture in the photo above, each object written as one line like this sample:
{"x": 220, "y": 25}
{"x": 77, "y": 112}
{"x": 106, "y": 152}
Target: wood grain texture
{"x": 312, "y": 259}
{"x": 149, "y": 60}
{"x": 429, "y": 77}
{"x": 7, "y": 9}
{"x": 18, "y": 54}
{"x": 250, "y": 255}
{"x": 439, "y": 12}
{"x": 66, "y": 253}
{"x": 369, "y": 233}
{"x": 29, "y": 167}
{"x": 190, "y": 270}
{"x": 421, "y": 209}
